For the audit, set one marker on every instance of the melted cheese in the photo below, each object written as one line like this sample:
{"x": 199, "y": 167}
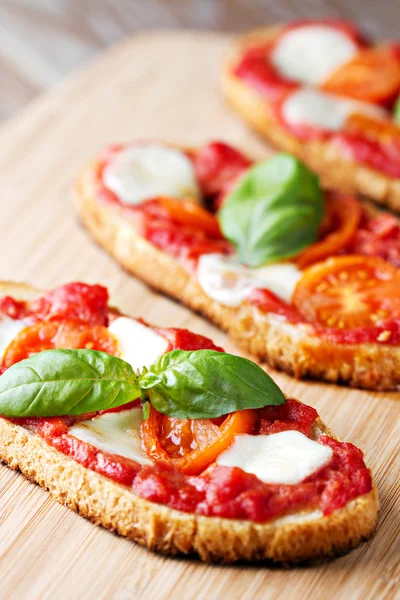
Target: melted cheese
{"x": 228, "y": 282}
{"x": 117, "y": 433}
{"x": 287, "y": 457}
{"x": 314, "y": 108}
{"x": 9, "y": 329}
{"x": 138, "y": 344}
{"x": 142, "y": 172}
{"x": 309, "y": 54}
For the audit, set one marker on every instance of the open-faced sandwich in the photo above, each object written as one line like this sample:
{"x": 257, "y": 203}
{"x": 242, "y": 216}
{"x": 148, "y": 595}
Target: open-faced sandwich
{"x": 317, "y": 89}
{"x": 306, "y": 280}
{"x": 159, "y": 435}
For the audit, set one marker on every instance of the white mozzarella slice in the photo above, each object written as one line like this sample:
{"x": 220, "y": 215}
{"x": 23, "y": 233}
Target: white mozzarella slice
{"x": 228, "y": 282}
{"x": 138, "y": 345}
{"x": 314, "y": 108}
{"x": 287, "y": 457}
{"x": 309, "y": 54}
{"x": 141, "y": 172}
{"x": 117, "y": 433}
{"x": 9, "y": 329}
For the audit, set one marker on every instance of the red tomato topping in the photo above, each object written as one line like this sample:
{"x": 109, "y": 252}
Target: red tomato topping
{"x": 46, "y": 335}
{"x": 378, "y": 236}
{"x": 184, "y": 243}
{"x": 339, "y": 227}
{"x": 12, "y": 308}
{"x": 292, "y": 415}
{"x": 218, "y": 167}
{"x": 223, "y": 491}
{"x": 192, "y": 444}
{"x": 255, "y": 68}
{"x": 183, "y": 339}
{"x": 349, "y": 292}
{"x": 268, "y": 302}
{"x": 373, "y": 75}
{"x": 73, "y": 301}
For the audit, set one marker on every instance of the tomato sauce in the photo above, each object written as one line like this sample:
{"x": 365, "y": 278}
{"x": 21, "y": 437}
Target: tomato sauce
{"x": 218, "y": 167}
{"x": 224, "y": 491}
{"x": 256, "y": 69}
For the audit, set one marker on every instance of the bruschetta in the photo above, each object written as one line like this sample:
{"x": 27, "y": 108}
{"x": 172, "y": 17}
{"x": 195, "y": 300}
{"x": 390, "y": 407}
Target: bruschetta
{"x": 157, "y": 434}
{"x": 317, "y": 89}
{"x": 306, "y": 280}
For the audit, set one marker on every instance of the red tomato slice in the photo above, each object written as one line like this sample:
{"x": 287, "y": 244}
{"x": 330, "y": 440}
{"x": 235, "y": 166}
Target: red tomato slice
{"x": 349, "y": 291}
{"x": 342, "y": 216}
{"x": 47, "y": 335}
{"x": 192, "y": 444}
{"x": 190, "y": 214}
{"x": 373, "y": 75}
{"x": 379, "y": 130}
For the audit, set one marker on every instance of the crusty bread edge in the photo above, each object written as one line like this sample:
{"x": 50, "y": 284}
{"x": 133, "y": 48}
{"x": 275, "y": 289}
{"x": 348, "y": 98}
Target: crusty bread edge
{"x": 173, "y": 532}
{"x": 324, "y": 158}
{"x": 288, "y": 347}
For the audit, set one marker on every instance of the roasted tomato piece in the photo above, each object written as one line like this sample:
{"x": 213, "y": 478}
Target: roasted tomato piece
{"x": 189, "y": 214}
{"x": 12, "y": 308}
{"x": 47, "y": 335}
{"x": 342, "y": 217}
{"x": 218, "y": 167}
{"x": 292, "y": 415}
{"x": 373, "y": 75}
{"x": 192, "y": 444}
{"x": 348, "y": 292}
{"x": 76, "y": 301}
{"x": 378, "y": 236}
{"x": 379, "y": 130}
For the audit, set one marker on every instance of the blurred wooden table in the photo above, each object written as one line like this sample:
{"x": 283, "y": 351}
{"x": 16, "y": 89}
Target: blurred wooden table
{"x": 42, "y": 40}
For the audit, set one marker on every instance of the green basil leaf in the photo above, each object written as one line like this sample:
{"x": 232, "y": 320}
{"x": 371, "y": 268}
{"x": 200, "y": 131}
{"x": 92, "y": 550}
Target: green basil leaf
{"x": 205, "y": 384}
{"x": 66, "y": 382}
{"x": 274, "y": 212}
{"x": 396, "y": 114}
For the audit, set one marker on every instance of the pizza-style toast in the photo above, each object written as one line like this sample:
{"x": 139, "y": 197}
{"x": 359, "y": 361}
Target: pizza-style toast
{"x": 160, "y": 436}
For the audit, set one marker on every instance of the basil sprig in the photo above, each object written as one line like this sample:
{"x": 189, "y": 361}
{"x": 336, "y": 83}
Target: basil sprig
{"x": 204, "y": 384}
{"x": 197, "y": 384}
{"x": 274, "y": 212}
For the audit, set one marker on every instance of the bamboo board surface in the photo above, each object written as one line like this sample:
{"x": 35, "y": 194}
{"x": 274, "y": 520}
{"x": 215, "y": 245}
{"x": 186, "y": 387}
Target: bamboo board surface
{"x": 162, "y": 85}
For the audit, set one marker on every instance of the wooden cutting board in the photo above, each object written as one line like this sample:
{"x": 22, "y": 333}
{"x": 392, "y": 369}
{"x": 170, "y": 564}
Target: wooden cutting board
{"x": 162, "y": 85}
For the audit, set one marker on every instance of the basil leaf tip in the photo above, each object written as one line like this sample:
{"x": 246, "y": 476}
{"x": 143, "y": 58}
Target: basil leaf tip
{"x": 274, "y": 211}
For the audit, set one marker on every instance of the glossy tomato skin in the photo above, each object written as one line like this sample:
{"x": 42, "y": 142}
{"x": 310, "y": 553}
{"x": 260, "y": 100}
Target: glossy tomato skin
{"x": 377, "y": 236}
{"x": 73, "y": 301}
{"x": 12, "y": 308}
{"x": 218, "y": 166}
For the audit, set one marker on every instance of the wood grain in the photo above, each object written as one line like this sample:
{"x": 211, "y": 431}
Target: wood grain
{"x": 42, "y": 41}
{"x": 159, "y": 85}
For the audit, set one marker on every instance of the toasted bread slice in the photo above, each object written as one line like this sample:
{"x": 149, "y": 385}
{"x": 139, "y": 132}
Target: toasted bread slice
{"x": 336, "y": 171}
{"x": 290, "y": 539}
{"x": 267, "y": 337}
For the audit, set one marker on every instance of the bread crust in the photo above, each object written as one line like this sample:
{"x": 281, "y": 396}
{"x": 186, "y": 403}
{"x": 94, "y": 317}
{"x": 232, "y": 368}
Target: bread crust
{"x": 171, "y": 532}
{"x": 323, "y": 157}
{"x": 291, "y": 348}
